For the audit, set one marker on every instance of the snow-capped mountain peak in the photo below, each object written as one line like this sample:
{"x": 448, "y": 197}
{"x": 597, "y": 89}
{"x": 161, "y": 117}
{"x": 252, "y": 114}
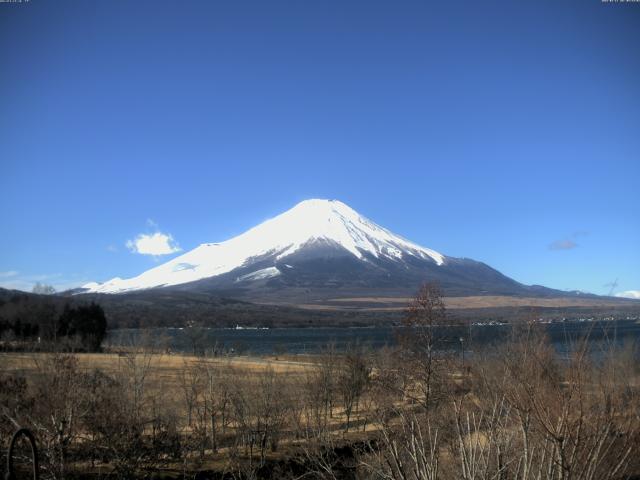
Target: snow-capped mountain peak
{"x": 309, "y": 223}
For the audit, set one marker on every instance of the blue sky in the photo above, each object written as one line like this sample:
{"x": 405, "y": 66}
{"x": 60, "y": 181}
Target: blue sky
{"x": 507, "y": 132}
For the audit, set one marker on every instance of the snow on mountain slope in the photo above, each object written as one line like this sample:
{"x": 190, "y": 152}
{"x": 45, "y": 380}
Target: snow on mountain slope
{"x": 268, "y": 272}
{"x": 309, "y": 222}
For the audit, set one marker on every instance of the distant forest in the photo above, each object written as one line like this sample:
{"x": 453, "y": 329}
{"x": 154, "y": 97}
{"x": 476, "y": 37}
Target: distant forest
{"x": 27, "y": 315}
{"x": 44, "y": 319}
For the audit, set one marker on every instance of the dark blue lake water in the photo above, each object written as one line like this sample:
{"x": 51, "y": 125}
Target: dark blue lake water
{"x": 563, "y": 335}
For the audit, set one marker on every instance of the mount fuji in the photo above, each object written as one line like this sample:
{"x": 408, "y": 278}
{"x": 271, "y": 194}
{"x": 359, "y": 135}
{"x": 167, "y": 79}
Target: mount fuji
{"x": 319, "y": 249}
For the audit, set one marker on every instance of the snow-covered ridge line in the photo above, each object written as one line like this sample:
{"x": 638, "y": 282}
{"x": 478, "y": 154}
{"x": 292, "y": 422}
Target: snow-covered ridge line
{"x": 309, "y": 222}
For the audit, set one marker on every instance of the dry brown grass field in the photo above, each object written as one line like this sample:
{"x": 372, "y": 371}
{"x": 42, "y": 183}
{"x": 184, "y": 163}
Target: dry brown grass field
{"x": 518, "y": 411}
{"x": 175, "y": 384}
{"x": 163, "y": 366}
{"x": 465, "y": 403}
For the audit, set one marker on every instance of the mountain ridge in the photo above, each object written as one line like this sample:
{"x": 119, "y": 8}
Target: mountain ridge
{"x": 314, "y": 222}
{"x": 317, "y": 250}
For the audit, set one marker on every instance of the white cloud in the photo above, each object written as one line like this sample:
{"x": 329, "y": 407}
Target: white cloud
{"x": 10, "y": 273}
{"x": 153, "y": 244}
{"x": 629, "y": 294}
{"x": 112, "y": 248}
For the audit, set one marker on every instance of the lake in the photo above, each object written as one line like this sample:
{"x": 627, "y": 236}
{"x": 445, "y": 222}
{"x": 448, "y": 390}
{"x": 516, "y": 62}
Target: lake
{"x": 312, "y": 340}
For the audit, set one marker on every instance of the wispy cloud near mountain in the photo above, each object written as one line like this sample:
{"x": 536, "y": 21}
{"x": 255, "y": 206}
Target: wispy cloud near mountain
{"x": 14, "y": 280}
{"x": 568, "y": 243}
{"x": 629, "y": 294}
{"x": 563, "y": 245}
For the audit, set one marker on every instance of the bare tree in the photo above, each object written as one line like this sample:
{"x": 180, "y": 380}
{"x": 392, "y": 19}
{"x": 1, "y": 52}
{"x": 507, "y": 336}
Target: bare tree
{"x": 408, "y": 449}
{"x": 191, "y": 386}
{"x": 59, "y": 410}
{"x": 353, "y": 378}
{"x": 419, "y": 341}
{"x": 216, "y": 397}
